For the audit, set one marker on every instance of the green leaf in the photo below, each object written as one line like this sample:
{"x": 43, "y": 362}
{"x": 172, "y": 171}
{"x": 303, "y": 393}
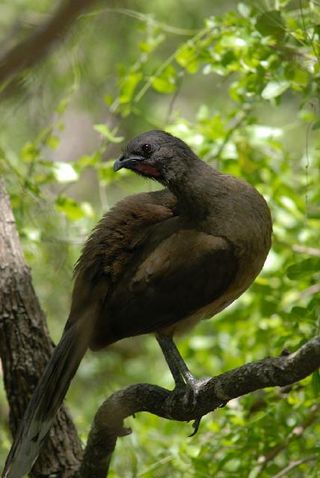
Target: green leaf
{"x": 29, "y": 152}
{"x": 72, "y": 209}
{"x": 88, "y": 160}
{"x": 187, "y": 57}
{"x": 315, "y": 381}
{"x": 106, "y": 173}
{"x": 271, "y": 24}
{"x": 149, "y": 45}
{"x": 31, "y": 233}
{"x": 243, "y": 9}
{"x": 128, "y": 86}
{"x": 166, "y": 82}
{"x": 274, "y": 89}
{"x": 106, "y": 133}
{"x": 62, "y": 105}
{"x": 64, "y": 172}
{"x": 52, "y": 141}
{"x": 304, "y": 268}
{"x": 316, "y": 125}
{"x": 108, "y": 99}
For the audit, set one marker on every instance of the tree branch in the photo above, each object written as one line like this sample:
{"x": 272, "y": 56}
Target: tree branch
{"x": 283, "y": 473}
{"x": 173, "y": 405}
{"x": 295, "y": 434}
{"x": 32, "y": 49}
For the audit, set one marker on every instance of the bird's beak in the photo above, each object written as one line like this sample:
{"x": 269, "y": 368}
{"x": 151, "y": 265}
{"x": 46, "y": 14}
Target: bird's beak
{"x": 126, "y": 162}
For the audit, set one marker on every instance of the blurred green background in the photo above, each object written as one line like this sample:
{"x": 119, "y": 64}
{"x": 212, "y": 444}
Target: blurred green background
{"x": 240, "y": 83}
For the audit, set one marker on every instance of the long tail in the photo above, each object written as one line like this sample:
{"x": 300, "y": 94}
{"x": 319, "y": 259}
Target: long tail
{"x": 46, "y": 400}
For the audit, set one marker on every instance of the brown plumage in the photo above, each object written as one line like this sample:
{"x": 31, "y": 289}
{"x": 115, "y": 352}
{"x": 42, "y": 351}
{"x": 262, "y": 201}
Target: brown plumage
{"x": 157, "y": 262}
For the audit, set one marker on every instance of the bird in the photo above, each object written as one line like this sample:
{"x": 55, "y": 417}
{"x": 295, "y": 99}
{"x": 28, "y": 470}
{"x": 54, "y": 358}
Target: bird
{"x": 156, "y": 263}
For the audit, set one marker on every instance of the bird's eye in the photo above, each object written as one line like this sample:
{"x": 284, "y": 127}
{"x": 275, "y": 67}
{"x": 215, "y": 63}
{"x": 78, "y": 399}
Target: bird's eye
{"x": 147, "y": 149}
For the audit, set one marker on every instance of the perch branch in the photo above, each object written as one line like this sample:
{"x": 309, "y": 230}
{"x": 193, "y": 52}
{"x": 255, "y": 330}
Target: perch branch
{"x": 214, "y": 393}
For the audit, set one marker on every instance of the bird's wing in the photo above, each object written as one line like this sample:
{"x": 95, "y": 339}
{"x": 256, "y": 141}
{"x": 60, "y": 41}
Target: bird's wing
{"x": 179, "y": 271}
{"x": 111, "y": 246}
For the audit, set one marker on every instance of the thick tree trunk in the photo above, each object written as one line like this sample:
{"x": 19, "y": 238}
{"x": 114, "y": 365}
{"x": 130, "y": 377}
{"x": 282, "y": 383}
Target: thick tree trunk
{"x": 25, "y": 347}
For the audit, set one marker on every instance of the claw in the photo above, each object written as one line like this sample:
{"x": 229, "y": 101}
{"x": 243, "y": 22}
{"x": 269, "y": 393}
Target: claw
{"x": 195, "y": 426}
{"x": 124, "y": 432}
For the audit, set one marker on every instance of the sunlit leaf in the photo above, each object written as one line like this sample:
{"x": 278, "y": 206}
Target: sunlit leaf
{"x": 187, "y": 57}
{"x": 29, "y": 152}
{"x": 128, "y": 86}
{"x": 105, "y": 131}
{"x": 53, "y": 141}
{"x": 274, "y": 89}
{"x": 166, "y": 82}
{"x": 64, "y": 172}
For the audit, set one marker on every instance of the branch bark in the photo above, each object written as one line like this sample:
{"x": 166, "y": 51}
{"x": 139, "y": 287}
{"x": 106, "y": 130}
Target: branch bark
{"x": 32, "y": 49}
{"x": 25, "y": 348}
{"x": 213, "y": 393}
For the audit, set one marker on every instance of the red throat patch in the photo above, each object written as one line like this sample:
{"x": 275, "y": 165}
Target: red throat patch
{"x": 147, "y": 169}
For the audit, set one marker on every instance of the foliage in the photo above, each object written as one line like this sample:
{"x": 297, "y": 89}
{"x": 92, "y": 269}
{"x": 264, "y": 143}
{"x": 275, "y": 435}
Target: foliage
{"x": 242, "y": 88}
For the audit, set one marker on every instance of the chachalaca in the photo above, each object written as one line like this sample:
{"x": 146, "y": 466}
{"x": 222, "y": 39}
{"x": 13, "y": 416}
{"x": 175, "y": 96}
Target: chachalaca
{"x": 156, "y": 263}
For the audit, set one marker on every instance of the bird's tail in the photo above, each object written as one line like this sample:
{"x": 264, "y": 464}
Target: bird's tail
{"x": 45, "y": 401}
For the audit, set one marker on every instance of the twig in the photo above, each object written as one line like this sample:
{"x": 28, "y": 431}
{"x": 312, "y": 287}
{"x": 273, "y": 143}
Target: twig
{"x": 175, "y": 96}
{"x": 310, "y": 291}
{"x": 293, "y": 465}
{"x": 296, "y": 433}
{"x": 237, "y": 121}
{"x": 310, "y": 251}
{"x": 173, "y": 405}
{"x": 32, "y": 49}
{"x": 146, "y": 18}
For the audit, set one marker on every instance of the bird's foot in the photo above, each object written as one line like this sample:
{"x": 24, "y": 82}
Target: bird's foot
{"x": 188, "y": 395}
{"x": 192, "y": 388}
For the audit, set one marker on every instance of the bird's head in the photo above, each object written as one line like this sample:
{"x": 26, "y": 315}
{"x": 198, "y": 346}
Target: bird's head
{"x": 157, "y": 155}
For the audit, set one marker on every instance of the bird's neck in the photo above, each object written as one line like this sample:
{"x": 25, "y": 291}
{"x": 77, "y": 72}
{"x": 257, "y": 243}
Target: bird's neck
{"x": 193, "y": 188}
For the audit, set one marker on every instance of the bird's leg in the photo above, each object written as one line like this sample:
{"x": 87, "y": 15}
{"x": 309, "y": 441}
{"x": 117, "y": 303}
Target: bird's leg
{"x": 163, "y": 341}
{"x": 180, "y": 372}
